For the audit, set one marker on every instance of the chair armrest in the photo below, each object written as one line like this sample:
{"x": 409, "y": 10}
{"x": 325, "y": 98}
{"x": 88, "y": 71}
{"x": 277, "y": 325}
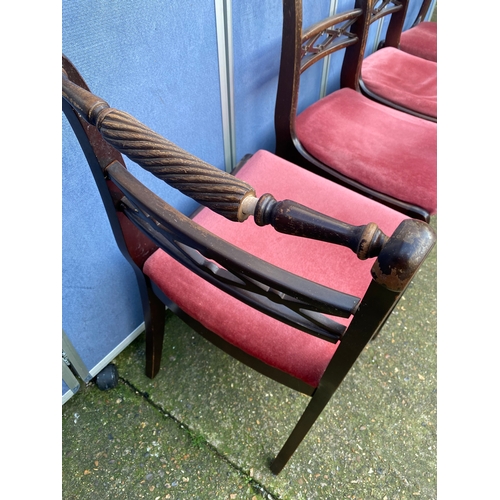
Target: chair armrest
{"x": 218, "y": 190}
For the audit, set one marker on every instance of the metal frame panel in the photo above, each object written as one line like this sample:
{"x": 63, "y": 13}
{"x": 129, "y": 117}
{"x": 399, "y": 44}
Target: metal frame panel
{"x": 326, "y": 62}
{"x": 224, "y": 27}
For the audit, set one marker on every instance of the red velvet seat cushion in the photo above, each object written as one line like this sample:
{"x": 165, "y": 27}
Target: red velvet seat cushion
{"x": 421, "y": 41}
{"x": 390, "y": 151}
{"x": 403, "y": 79}
{"x": 278, "y": 345}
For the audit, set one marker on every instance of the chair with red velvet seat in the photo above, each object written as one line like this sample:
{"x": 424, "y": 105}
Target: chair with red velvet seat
{"x": 385, "y": 154}
{"x": 421, "y": 39}
{"x": 394, "y": 77}
{"x": 296, "y": 296}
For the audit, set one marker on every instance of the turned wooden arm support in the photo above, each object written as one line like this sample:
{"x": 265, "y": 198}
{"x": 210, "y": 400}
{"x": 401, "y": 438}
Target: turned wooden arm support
{"x": 218, "y": 190}
{"x": 293, "y": 218}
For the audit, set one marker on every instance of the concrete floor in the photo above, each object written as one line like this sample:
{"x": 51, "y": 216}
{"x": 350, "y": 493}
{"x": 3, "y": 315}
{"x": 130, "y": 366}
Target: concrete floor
{"x": 207, "y": 427}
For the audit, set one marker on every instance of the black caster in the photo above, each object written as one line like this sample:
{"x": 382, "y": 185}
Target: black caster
{"x": 107, "y": 378}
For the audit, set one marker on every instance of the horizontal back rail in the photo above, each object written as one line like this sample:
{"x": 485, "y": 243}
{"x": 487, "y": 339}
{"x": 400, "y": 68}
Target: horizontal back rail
{"x": 386, "y": 8}
{"x": 326, "y": 37}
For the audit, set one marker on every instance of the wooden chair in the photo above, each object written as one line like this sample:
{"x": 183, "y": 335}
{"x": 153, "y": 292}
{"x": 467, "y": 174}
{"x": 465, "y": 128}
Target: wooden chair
{"x": 385, "y": 154}
{"x": 421, "y": 39}
{"x": 296, "y": 296}
{"x": 394, "y": 77}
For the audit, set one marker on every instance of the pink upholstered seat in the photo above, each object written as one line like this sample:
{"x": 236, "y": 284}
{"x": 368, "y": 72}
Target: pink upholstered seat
{"x": 277, "y": 344}
{"x": 395, "y": 154}
{"x": 421, "y": 41}
{"x": 403, "y": 79}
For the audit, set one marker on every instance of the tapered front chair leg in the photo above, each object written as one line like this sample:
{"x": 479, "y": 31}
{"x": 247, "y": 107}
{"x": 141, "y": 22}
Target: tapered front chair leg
{"x": 310, "y": 415}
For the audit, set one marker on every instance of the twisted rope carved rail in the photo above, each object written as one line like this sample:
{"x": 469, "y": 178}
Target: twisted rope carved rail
{"x": 218, "y": 190}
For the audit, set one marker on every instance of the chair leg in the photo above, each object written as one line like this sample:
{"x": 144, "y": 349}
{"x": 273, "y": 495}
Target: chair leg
{"x": 306, "y": 421}
{"x": 154, "y": 319}
{"x": 351, "y": 346}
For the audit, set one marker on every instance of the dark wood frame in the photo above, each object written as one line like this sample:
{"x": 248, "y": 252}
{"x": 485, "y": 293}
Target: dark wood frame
{"x": 347, "y": 30}
{"x": 142, "y": 223}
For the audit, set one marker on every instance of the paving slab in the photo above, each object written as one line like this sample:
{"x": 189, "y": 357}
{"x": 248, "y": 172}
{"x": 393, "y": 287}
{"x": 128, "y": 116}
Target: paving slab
{"x": 116, "y": 445}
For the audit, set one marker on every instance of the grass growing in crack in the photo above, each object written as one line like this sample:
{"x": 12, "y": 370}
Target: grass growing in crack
{"x": 197, "y": 439}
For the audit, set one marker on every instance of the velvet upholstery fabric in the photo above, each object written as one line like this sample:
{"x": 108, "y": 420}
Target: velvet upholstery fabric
{"x": 421, "y": 41}
{"x": 403, "y": 79}
{"x": 390, "y": 151}
{"x": 278, "y": 345}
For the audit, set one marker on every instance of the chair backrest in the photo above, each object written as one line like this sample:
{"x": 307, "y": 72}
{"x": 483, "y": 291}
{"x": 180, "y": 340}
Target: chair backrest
{"x": 302, "y": 48}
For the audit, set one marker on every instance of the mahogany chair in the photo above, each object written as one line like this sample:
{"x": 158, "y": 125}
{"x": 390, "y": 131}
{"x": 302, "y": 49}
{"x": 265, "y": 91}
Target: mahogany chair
{"x": 394, "y": 77}
{"x": 384, "y": 153}
{"x": 421, "y": 39}
{"x": 296, "y": 294}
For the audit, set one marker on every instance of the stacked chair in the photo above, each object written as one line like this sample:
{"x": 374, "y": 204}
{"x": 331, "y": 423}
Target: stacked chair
{"x": 394, "y": 77}
{"x": 386, "y": 154}
{"x": 296, "y": 293}
{"x": 421, "y": 39}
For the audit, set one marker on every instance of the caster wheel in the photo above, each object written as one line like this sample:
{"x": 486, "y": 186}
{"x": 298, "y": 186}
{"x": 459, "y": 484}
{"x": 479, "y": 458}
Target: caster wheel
{"x": 107, "y": 378}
